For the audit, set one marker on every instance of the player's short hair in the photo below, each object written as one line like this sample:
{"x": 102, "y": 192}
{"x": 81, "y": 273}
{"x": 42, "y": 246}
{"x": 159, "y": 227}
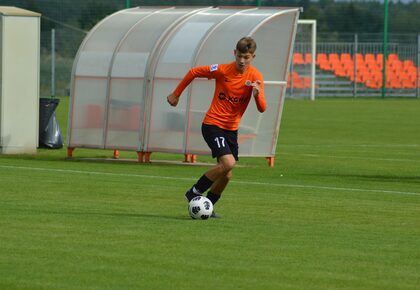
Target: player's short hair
{"x": 246, "y": 45}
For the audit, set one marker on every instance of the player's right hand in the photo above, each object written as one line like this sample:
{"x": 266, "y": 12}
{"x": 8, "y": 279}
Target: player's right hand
{"x": 256, "y": 88}
{"x": 172, "y": 100}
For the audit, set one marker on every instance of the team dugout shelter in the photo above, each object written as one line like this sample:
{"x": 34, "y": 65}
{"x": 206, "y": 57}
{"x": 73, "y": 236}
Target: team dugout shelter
{"x": 132, "y": 60}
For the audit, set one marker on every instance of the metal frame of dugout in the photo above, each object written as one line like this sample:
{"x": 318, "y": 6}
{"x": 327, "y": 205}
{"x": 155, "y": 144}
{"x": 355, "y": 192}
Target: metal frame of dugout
{"x": 131, "y": 60}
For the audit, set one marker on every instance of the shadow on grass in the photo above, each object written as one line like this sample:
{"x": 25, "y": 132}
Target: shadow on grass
{"x": 101, "y": 157}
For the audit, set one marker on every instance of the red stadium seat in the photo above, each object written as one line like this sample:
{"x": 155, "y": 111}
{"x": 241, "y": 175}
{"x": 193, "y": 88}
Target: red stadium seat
{"x": 408, "y": 84}
{"x": 346, "y": 57}
{"x": 298, "y": 58}
{"x": 370, "y": 58}
{"x": 399, "y": 73}
{"x": 321, "y": 58}
{"x": 333, "y": 57}
{"x": 392, "y": 56}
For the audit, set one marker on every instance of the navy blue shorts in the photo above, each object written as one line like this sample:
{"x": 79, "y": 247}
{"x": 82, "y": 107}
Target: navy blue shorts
{"x": 220, "y": 141}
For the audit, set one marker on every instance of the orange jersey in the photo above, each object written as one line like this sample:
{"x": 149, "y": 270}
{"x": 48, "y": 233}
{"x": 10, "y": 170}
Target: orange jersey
{"x": 231, "y": 95}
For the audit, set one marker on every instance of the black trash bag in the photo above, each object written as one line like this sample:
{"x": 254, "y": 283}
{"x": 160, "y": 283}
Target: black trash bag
{"x": 49, "y": 130}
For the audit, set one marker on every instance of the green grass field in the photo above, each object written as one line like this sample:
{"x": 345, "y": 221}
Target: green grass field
{"x": 340, "y": 210}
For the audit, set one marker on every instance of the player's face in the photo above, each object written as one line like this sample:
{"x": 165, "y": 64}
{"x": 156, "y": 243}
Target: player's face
{"x": 243, "y": 60}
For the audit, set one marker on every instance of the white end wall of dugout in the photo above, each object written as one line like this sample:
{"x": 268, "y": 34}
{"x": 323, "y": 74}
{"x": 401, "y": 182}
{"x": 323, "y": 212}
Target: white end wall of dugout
{"x": 131, "y": 60}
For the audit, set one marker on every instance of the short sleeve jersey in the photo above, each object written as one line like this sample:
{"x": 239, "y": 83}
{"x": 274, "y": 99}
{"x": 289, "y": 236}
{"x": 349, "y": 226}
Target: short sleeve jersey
{"x": 232, "y": 92}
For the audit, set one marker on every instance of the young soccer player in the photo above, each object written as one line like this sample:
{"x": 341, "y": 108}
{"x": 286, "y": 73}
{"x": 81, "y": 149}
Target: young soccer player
{"x": 236, "y": 84}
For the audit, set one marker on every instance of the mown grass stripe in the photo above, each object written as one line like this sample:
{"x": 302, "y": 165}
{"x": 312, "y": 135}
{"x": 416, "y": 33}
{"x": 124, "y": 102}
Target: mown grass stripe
{"x": 193, "y": 179}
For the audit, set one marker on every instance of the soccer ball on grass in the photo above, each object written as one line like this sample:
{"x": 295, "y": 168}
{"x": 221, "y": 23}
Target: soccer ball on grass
{"x": 200, "y": 207}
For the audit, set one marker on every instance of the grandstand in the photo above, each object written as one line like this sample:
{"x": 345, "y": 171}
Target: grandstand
{"x": 351, "y": 65}
{"x": 365, "y": 70}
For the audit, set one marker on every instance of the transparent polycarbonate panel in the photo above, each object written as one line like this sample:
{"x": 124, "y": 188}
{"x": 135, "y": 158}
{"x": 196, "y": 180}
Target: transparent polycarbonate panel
{"x": 125, "y": 114}
{"x": 201, "y": 96}
{"x": 129, "y": 64}
{"x": 274, "y": 46}
{"x": 257, "y": 130}
{"x": 219, "y": 46}
{"x": 275, "y": 43}
{"x": 87, "y": 121}
{"x": 173, "y": 63}
{"x": 108, "y": 34}
{"x": 127, "y": 77}
{"x": 92, "y": 63}
{"x": 166, "y": 124}
{"x": 138, "y": 46}
{"x": 182, "y": 44}
{"x": 96, "y": 54}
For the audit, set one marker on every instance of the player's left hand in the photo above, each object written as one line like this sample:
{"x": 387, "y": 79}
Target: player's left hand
{"x": 172, "y": 100}
{"x": 256, "y": 88}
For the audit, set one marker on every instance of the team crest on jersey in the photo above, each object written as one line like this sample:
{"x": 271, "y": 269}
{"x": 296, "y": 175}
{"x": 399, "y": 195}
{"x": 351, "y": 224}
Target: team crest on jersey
{"x": 214, "y": 67}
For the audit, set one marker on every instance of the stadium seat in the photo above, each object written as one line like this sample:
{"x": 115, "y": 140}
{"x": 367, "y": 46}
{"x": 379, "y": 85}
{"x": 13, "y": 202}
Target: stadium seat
{"x": 345, "y": 57}
{"x": 333, "y": 57}
{"x": 408, "y": 84}
{"x": 392, "y": 56}
{"x": 325, "y": 64}
{"x": 408, "y": 63}
{"x": 372, "y": 84}
{"x": 298, "y": 58}
{"x": 396, "y": 65}
{"x": 412, "y": 73}
{"x": 321, "y": 58}
{"x": 340, "y": 71}
{"x": 394, "y": 83}
{"x": 349, "y": 72}
{"x": 360, "y": 58}
{"x": 370, "y": 58}
{"x": 307, "y": 82}
{"x": 372, "y": 66}
{"x": 399, "y": 73}
{"x": 298, "y": 83}
{"x": 295, "y": 81}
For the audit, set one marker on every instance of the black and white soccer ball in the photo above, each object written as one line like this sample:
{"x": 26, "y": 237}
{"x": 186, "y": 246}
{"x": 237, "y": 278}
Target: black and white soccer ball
{"x": 200, "y": 207}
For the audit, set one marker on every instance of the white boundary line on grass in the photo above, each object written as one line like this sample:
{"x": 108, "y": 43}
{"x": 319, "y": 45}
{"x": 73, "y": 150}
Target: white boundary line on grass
{"x": 193, "y": 179}
{"x": 350, "y": 157}
{"x": 354, "y": 145}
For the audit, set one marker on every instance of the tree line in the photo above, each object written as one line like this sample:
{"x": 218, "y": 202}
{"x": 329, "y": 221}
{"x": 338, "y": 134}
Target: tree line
{"x": 331, "y": 16}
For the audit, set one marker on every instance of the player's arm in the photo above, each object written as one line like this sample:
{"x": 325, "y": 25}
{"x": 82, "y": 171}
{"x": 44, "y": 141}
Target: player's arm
{"x": 195, "y": 72}
{"x": 258, "y": 93}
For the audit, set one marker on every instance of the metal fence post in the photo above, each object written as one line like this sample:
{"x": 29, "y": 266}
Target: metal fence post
{"x": 418, "y": 66}
{"x": 291, "y": 77}
{"x": 385, "y": 53}
{"x": 355, "y": 49}
{"x": 53, "y": 62}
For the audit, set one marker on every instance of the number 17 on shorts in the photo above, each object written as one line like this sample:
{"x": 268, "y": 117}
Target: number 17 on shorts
{"x": 220, "y": 142}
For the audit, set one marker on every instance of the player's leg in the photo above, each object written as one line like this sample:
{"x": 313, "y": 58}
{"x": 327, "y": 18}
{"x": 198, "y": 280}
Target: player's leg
{"x": 225, "y": 164}
{"x": 223, "y": 145}
{"x": 221, "y": 169}
{"x": 220, "y": 184}
{"x": 218, "y": 187}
